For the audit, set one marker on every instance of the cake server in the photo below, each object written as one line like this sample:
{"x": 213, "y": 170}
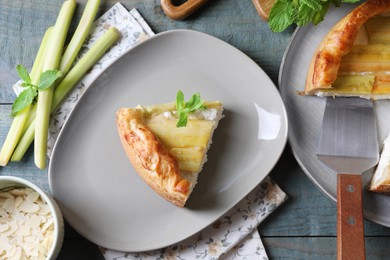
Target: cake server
{"x": 348, "y": 144}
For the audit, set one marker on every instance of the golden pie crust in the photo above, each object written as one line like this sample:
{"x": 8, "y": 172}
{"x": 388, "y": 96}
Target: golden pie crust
{"x": 324, "y": 67}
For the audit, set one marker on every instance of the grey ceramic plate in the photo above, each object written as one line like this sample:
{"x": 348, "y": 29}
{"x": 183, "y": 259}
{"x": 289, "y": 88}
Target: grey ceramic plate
{"x": 99, "y": 192}
{"x": 305, "y": 116}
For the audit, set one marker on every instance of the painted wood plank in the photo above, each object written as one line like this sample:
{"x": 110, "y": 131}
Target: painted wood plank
{"x": 319, "y": 247}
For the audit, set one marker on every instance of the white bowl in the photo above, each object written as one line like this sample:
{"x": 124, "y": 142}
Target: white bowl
{"x": 10, "y": 181}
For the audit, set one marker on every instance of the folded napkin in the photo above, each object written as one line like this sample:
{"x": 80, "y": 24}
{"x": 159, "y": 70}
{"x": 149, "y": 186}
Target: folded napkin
{"x": 234, "y": 235}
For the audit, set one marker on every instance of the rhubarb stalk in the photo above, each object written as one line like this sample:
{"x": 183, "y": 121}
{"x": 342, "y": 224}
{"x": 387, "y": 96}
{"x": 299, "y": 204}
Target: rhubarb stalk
{"x": 52, "y": 62}
{"x": 79, "y": 35}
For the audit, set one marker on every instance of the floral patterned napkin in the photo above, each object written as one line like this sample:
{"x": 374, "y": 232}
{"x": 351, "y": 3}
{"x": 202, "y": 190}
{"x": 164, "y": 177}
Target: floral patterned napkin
{"x": 234, "y": 235}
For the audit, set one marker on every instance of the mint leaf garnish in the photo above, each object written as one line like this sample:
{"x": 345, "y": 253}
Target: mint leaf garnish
{"x": 183, "y": 119}
{"x": 28, "y": 95}
{"x": 24, "y": 99}
{"x": 23, "y": 73}
{"x": 184, "y": 108}
{"x": 48, "y": 78}
{"x": 313, "y": 4}
{"x": 281, "y": 15}
{"x": 179, "y": 101}
{"x": 300, "y": 12}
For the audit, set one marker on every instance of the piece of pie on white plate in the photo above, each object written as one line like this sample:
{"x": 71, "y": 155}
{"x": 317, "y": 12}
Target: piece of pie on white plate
{"x": 354, "y": 57}
{"x": 380, "y": 181}
{"x": 167, "y": 157}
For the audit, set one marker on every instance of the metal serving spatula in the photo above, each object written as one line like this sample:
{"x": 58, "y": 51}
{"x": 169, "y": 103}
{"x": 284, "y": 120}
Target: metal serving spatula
{"x": 348, "y": 144}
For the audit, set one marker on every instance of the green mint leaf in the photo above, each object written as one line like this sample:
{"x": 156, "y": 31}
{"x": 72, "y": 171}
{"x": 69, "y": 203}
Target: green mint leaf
{"x": 183, "y": 119}
{"x": 307, "y": 14}
{"x": 48, "y": 78}
{"x": 194, "y": 103}
{"x": 23, "y": 73}
{"x": 304, "y": 15}
{"x": 180, "y": 108}
{"x": 319, "y": 16}
{"x": 23, "y": 100}
{"x": 193, "y": 100}
{"x": 315, "y": 5}
{"x": 183, "y": 108}
{"x": 281, "y": 15}
{"x": 180, "y": 101}
{"x": 300, "y": 12}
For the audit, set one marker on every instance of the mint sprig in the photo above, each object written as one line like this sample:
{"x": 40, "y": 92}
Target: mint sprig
{"x": 28, "y": 95}
{"x": 184, "y": 108}
{"x": 300, "y": 12}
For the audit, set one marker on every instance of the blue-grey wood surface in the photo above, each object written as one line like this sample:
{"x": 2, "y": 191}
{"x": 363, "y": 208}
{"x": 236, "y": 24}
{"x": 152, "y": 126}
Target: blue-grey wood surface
{"x": 304, "y": 227}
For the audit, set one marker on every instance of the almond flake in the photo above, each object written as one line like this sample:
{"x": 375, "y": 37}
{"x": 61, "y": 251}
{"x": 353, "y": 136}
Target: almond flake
{"x": 34, "y": 222}
{"x": 13, "y": 226}
{"x": 29, "y": 207}
{"x": 4, "y": 243}
{"x": 44, "y": 209}
{"x": 48, "y": 224}
{"x": 31, "y": 239}
{"x": 18, "y": 201}
{"x": 18, "y": 191}
{"x": 32, "y": 197}
{"x": 3, "y": 227}
{"x": 10, "y": 252}
{"x": 19, "y": 216}
{"x": 23, "y": 230}
{"x": 18, "y": 254}
{"x": 9, "y": 205}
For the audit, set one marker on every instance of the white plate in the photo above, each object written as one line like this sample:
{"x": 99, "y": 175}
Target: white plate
{"x": 305, "y": 116}
{"x": 99, "y": 192}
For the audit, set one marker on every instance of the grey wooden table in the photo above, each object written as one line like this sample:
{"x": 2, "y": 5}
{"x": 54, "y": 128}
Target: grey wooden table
{"x": 304, "y": 227}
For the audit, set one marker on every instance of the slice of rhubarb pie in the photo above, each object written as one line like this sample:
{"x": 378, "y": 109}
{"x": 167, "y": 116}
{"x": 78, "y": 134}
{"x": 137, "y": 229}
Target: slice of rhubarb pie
{"x": 354, "y": 57}
{"x": 380, "y": 181}
{"x": 168, "y": 146}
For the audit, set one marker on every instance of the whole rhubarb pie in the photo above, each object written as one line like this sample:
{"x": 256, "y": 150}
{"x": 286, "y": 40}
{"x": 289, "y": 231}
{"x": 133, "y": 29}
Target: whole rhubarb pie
{"x": 354, "y": 57}
{"x": 168, "y": 156}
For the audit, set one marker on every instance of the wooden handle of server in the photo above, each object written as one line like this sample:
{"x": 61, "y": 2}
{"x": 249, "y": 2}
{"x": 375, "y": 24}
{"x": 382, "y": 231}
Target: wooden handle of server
{"x": 350, "y": 228}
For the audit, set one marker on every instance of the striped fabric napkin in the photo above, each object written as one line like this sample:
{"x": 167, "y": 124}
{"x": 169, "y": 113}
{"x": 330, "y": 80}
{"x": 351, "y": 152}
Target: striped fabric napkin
{"x": 234, "y": 235}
